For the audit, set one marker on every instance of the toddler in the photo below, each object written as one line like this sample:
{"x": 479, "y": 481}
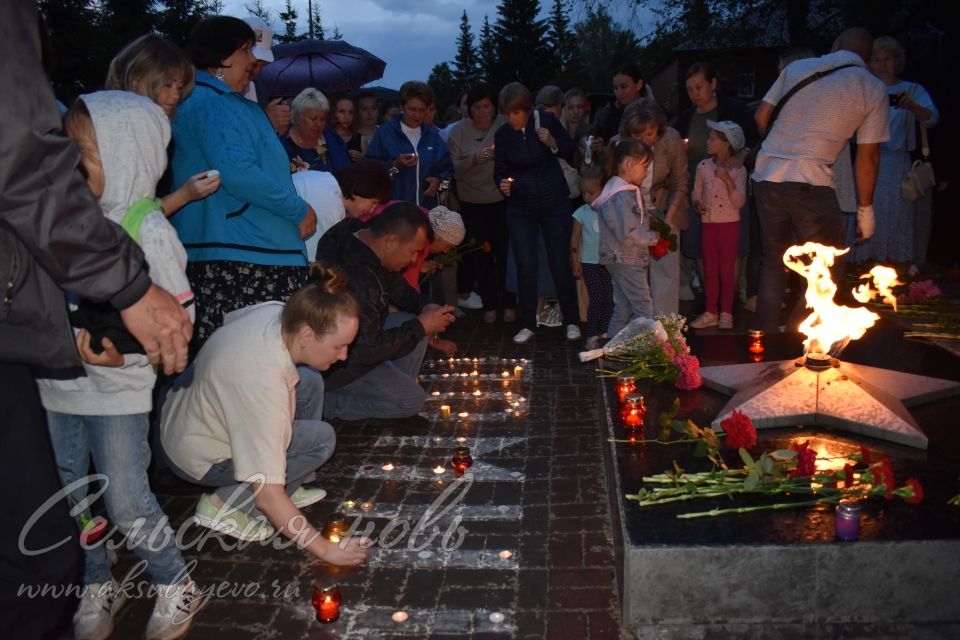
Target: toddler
{"x": 719, "y": 190}
{"x": 585, "y": 257}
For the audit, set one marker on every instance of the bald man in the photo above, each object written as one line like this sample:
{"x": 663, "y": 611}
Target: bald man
{"x": 796, "y": 201}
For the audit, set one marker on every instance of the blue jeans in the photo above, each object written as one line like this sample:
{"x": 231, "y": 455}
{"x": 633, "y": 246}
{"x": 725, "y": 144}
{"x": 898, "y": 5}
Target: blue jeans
{"x": 118, "y": 446}
{"x": 389, "y": 390}
{"x": 631, "y": 295}
{"x": 790, "y": 213}
{"x": 312, "y": 442}
{"x": 555, "y": 222}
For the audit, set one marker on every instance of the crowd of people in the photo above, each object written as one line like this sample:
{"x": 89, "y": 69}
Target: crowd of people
{"x": 294, "y": 243}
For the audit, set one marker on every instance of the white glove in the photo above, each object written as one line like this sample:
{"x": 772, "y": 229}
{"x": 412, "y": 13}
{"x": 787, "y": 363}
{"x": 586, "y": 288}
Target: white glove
{"x": 865, "y": 221}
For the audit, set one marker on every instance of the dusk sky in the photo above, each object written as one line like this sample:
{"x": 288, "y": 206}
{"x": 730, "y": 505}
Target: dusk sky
{"x": 412, "y": 36}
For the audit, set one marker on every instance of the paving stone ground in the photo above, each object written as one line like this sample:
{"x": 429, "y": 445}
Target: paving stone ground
{"x": 538, "y": 492}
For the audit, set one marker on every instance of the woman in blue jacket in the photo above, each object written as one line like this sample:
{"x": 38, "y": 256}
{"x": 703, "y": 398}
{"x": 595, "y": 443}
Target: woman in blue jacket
{"x": 245, "y": 241}
{"x": 526, "y": 170}
{"x": 413, "y": 151}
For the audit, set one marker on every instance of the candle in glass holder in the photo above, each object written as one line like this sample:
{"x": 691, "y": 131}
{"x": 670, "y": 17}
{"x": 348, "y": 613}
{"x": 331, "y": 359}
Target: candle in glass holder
{"x": 461, "y": 460}
{"x": 756, "y": 341}
{"x": 518, "y": 371}
{"x": 633, "y": 412}
{"x": 335, "y": 527}
{"x": 444, "y": 411}
{"x": 626, "y": 384}
{"x": 326, "y": 602}
{"x": 847, "y": 519}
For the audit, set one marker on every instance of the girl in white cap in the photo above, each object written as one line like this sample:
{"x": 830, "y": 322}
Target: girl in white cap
{"x": 719, "y": 190}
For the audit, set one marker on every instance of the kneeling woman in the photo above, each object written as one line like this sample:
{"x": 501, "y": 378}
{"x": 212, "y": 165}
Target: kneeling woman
{"x": 246, "y": 418}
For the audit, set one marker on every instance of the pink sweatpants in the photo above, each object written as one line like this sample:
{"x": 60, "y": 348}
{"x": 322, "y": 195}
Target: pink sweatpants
{"x": 719, "y": 242}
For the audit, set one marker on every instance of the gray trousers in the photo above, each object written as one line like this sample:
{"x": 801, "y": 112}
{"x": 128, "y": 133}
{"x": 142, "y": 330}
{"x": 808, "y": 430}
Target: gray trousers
{"x": 389, "y": 390}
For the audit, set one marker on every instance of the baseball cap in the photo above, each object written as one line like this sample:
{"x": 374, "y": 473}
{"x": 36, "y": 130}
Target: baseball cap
{"x": 262, "y": 45}
{"x": 732, "y": 131}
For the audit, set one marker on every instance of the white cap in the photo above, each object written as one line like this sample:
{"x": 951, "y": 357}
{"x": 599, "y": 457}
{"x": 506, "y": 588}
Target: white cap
{"x": 732, "y": 131}
{"x": 262, "y": 45}
{"x": 447, "y": 225}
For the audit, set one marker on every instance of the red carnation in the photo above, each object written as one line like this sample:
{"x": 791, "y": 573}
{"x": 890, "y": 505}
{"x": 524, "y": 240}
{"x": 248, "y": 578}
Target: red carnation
{"x": 740, "y": 430}
{"x": 848, "y": 475}
{"x": 883, "y": 475}
{"x": 93, "y": 530}
{"x": 806, "y": 460}
{"x": 917, "y": 488}
{"x": 866, "y": 455}
{"x": 660, "y": 249}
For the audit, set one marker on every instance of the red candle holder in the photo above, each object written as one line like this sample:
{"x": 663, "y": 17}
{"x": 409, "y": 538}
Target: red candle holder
{"x": 632, "y": 413}
{"x": 326, "y": 602}
{"x": 756, "y": 341}
{"x": 626, "y": 384}
{"x": 461, "y": 460}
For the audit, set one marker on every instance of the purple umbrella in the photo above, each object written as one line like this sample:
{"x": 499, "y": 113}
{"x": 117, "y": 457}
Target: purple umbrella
{"x": 328, "y": 65}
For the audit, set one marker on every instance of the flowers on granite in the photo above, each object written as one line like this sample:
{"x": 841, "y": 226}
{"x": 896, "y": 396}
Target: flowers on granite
{"x": 654, "y": 350}
{"x": 920, "y": 292}
{"x": 782, "y": 473}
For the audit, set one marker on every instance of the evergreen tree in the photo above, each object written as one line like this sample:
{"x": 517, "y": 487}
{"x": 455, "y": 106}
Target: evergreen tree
{"x": 445, "y": 88}
{"x": 602, "y": 46}
{"x": 176, "y": 18}
{"x": 337, "y": 34}
{"x": 256, "y": 9}
{"x": 289, "y": 20}
{"x": 561, "y": 38}
{"x": 488, "y": 52}
{"x": 318, "y": 32}
{"x": 465, "y": 66}
{"x": 520, "y": 40}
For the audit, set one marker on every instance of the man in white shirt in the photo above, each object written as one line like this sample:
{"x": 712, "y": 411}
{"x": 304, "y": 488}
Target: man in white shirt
{"x": 795, "y": 198}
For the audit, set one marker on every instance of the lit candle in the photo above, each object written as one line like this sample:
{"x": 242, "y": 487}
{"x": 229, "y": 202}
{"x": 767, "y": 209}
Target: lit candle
{"x": 477, "y": 393}
{"x": 400, "y": 616}
{"x": 847, "y": 519}
{"x": 445, "y": 411}
{"x": 505, "y": 554}
{"x": 461, "y": 460}
{"x": 633, "y": 412}
{"x": 626, "y": 384}
{"x": 518, "y": 371}
{"x": 434, "y": 393}
{"x": 335, "y": 527}
{"x": 474, "y": 373}
{"x": 505, "y": 374}
{"x": 366, "y": 506}
{"x": 326, "y": 602}
{"x": 438, "y": 470}
{"x": 463, "y": 414}
{"x": 756, "y": 341}
{"x": 507, "y": 393}
{"x": 349, "y": 504}
{"x": 387, "y": 467}
{"x": 496, "y": 617}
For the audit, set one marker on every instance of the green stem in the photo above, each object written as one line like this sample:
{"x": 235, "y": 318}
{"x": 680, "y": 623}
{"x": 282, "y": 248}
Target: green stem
{"x": 651, "y": 441}
{"x": 769, "y": 507}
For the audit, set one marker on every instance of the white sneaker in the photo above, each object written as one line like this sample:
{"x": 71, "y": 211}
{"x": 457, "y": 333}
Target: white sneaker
{"x": 550, "y": 317}
{"x": 304, "y": 497}
{"x": 573, "y": 332}
{"x": 231, "y": 522}
{"x": 523, "y": 336}
{"x": 174, "y": 611}
{"x": 472, "y": 301}
{"x": 94, "y": 619}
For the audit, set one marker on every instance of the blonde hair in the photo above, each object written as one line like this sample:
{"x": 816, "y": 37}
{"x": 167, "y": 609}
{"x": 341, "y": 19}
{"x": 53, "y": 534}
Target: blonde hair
{"x": 309, "y": 98}
{"x": 886, "y": 43}
{"x": 148, "y": 63}
{"x": 320, "y": 303}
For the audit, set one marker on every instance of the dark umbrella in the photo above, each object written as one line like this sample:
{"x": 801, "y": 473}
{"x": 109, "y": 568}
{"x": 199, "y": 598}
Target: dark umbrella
{"x": 328, "y": 65}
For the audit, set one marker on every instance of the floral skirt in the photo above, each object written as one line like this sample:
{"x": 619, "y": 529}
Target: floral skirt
{"x": 220, "y": 287}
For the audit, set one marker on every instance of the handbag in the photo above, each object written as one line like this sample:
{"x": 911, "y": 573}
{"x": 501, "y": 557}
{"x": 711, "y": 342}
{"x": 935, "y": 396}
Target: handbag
{"x": 750, "y": 158}
{"x": 919, "y": 177}
{"x": 570, "y": 174}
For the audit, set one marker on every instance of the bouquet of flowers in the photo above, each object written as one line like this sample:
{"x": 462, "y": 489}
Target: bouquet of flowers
{"x": 667, "y": 241}
{"x": 455, "y": 256}
{"x": 781, "y": 473}
{"x": 652, "y": 349}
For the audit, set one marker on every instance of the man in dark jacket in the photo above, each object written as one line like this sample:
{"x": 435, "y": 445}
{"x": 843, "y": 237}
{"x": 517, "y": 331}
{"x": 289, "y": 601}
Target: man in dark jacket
{"x": 53, "y": 237}
{"x": 379, "y": 377}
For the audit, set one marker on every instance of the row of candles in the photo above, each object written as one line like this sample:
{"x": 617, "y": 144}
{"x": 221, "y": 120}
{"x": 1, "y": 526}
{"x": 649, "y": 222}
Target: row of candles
{"x": 476, "y": 375}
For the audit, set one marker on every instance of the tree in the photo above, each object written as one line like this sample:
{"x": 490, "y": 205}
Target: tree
{"x": 444, "y": 86}
{"x": 176, "y": 18}
{"x": 520, "y": 39}
{"x": 562, "y": 42}
{"x": 602, "y": 46}
{"x": 316, "y": 23}
{"x": 465, "y": 66}
{"x": 256, "y": 9}
{"x": 337, "y": 34}
{"x": 488, "y": 52}
{"x": 289, "y": 20}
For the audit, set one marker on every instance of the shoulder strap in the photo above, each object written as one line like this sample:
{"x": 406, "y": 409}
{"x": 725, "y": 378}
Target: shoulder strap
{"x": 136, "y": 214}
{"x": 800, "y": 85}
